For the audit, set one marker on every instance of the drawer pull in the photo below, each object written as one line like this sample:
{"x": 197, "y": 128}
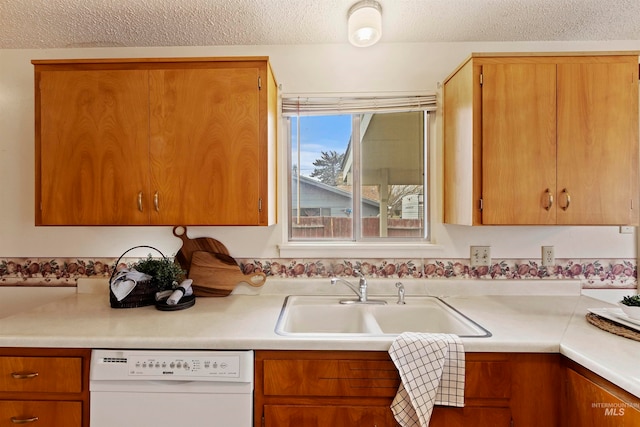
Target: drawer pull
{"x": 24, "y": 420}
{"x": 23, "y": 375}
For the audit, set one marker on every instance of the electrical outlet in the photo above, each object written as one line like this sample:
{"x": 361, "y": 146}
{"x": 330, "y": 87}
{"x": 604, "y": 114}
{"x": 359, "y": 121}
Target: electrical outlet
{"x": 548, "y": 257}
{"x": 480, "y": 256}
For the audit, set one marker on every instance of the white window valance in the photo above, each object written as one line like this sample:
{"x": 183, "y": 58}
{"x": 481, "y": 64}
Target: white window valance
{"x": 318, "y": 105}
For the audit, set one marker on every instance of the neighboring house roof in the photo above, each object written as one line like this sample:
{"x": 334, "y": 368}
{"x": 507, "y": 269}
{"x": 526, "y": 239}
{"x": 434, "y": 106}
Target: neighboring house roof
{"x": 332, "y": 195}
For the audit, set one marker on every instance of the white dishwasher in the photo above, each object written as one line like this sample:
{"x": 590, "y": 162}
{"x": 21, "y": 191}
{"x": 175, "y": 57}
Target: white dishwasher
{"x": 152, "y": 388}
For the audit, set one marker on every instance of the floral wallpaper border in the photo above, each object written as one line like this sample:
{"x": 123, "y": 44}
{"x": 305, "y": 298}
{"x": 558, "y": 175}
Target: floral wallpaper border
{"x": 594, "y": 273}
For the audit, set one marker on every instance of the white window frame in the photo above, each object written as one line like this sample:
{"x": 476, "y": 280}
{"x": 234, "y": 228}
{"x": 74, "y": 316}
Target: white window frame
{"x": 366, "y": 248}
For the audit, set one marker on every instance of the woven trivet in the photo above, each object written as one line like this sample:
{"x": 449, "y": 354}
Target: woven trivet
{"x": 613, "y": 327}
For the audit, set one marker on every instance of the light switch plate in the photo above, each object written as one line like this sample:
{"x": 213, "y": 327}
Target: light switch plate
{"x": 480, "y": 256}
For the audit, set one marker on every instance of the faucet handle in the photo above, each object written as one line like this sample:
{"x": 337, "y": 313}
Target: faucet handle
{"x": 401, "y": 291}
{"x": 362, "y": 282}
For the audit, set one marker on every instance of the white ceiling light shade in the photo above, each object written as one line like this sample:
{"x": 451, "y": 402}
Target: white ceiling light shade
{"x": 365, "y": 23}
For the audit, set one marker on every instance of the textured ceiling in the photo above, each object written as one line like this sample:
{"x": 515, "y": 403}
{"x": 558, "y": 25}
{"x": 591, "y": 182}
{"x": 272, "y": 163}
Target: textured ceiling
{"x": 26, "y": 24}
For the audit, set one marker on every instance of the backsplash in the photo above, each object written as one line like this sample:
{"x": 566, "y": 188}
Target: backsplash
{"x": 594, "y": 273}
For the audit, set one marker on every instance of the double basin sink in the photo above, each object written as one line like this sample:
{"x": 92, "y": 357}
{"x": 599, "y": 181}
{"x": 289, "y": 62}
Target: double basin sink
{"x": 326, "y": 316}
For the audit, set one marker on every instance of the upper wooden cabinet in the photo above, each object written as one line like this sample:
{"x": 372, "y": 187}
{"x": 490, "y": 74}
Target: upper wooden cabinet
{"x": 542, "y": 140}
{"x": 155, "y": 141}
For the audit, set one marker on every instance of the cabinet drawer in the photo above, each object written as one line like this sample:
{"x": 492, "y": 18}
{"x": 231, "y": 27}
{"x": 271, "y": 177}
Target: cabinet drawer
{"x": 40, "y": 413}
{"x": 41, "y": 374}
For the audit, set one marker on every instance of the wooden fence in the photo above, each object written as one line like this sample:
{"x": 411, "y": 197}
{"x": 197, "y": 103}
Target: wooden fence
{"x": 328, "y": 227}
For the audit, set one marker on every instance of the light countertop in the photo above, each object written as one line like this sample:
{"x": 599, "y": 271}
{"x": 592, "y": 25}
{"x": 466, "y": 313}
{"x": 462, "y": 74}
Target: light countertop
{"x": 523, "y": 316}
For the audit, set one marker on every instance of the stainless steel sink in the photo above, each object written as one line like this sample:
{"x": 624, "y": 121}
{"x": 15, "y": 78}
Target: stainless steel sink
{"x": 324, "y": 316}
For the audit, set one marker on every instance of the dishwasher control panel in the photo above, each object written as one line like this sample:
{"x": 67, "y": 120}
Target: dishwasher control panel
{"x": 119, "y": 365}
{"x": 184, "y": 366}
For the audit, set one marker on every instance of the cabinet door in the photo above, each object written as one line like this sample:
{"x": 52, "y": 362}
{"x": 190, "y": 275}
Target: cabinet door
{"x": 205, "y": 146}
{"x": 590, "y": 405}
{"x": 518, "y": 143}
{"x": 598, "y": 142}
{"x": 92, "y": 147}
{"x": 470, "y": 417}
{"x": 321, "y": 416}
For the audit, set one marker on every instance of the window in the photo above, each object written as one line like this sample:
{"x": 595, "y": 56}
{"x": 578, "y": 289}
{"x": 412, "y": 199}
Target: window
{"x": 357, "y": 168}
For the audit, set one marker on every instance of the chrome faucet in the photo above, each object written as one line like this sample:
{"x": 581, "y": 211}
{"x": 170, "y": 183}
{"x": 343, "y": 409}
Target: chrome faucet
{"x": 360, "y": 291}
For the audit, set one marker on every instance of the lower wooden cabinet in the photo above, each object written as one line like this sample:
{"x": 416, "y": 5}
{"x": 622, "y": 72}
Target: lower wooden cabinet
{"x": 591, "y": 401}
{"x": 348, "y": 388}
{"x": 45, "y": 387}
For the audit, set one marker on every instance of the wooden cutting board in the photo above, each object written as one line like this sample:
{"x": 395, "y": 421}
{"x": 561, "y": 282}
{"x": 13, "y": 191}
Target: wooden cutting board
{"x": 189, "y": 246}
{"x": 216, "y": 274}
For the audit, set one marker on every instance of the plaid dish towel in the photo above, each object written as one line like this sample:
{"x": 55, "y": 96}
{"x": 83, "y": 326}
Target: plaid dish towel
{"x": 431, "y": 368}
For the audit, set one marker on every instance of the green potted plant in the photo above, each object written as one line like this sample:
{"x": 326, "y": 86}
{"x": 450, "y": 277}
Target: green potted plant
{"x": 631, "y": 306}
{"x": 165, "y": 274}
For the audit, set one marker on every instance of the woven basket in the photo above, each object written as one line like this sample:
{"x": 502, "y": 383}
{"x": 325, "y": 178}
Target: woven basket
{"x": 144, "y": 292}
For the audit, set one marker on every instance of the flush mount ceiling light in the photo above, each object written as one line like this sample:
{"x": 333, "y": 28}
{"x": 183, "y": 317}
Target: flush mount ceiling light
{"x": 365, "y": 23}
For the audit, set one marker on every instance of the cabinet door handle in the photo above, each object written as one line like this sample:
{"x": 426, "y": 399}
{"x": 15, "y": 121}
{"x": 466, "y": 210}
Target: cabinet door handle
{"x": 24, "y": 420}
{"x": 23, "y": 375}
{"x": 568, "y": 198}
{"x": 140, "y": 201}
{"x": 156, "y": 203}
{"x": 549, "y": 199}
